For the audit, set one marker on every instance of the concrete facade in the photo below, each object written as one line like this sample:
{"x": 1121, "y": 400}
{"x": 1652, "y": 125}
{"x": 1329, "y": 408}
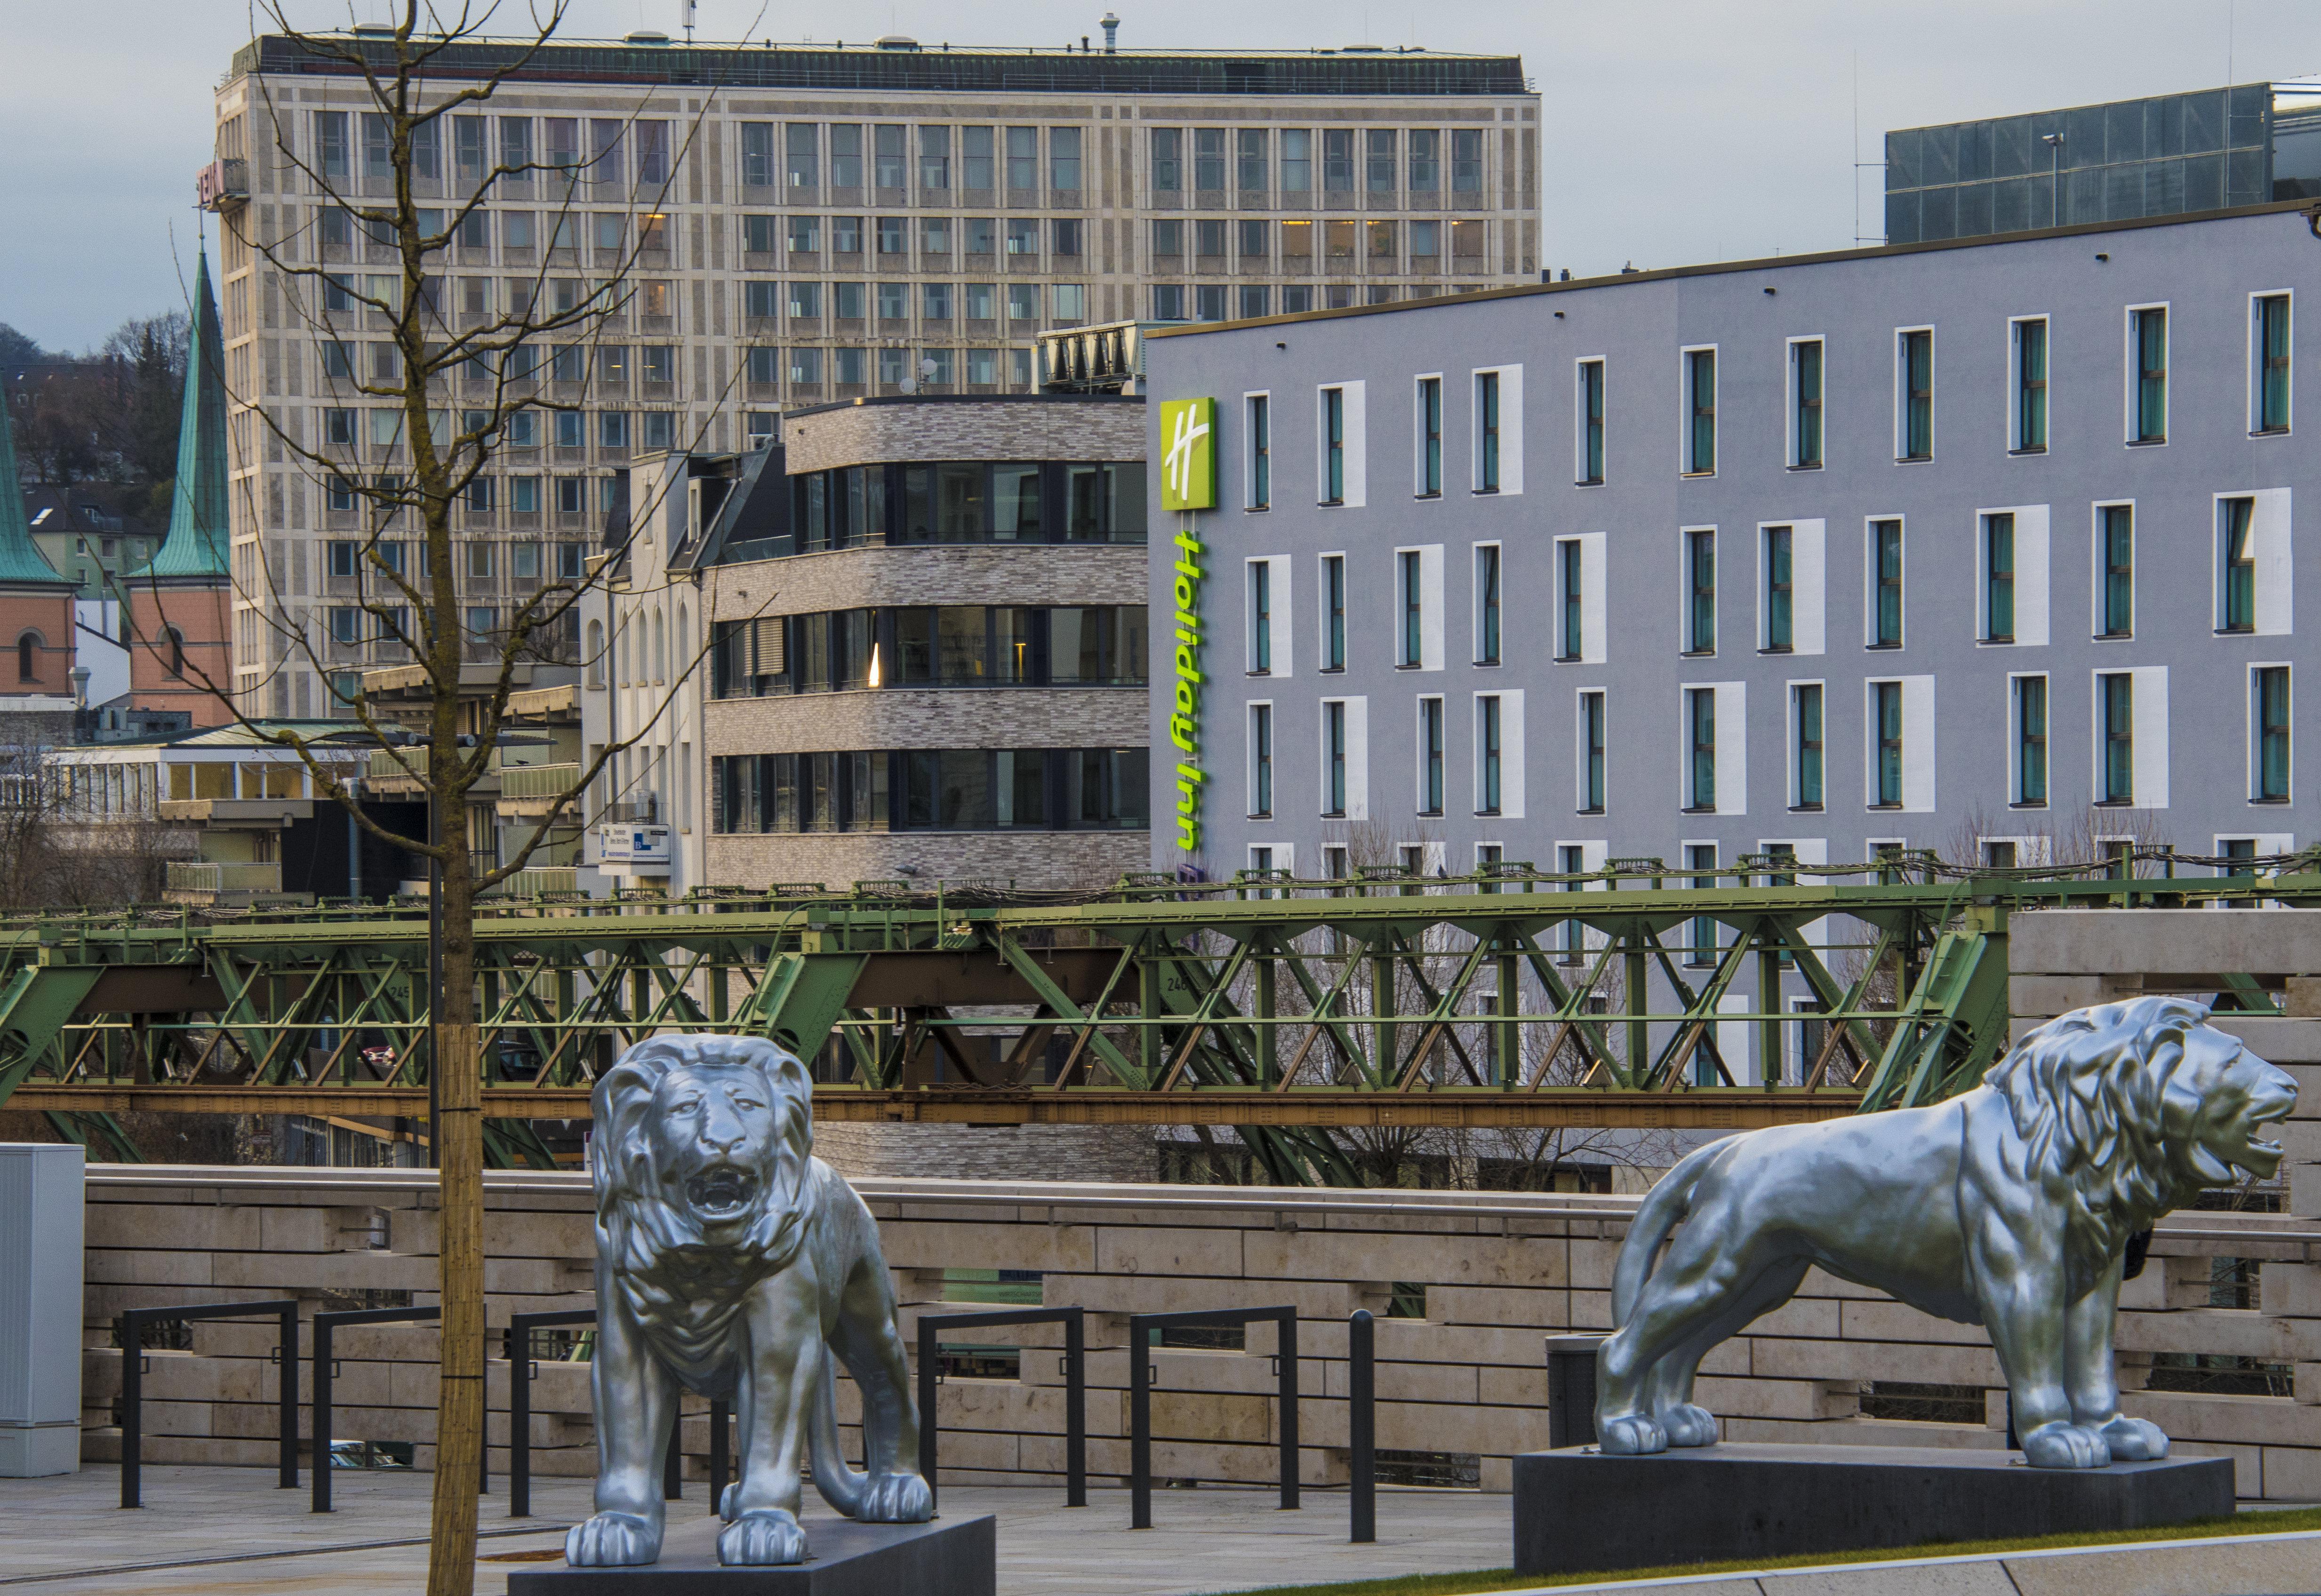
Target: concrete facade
{"x": 2194, "y": 753}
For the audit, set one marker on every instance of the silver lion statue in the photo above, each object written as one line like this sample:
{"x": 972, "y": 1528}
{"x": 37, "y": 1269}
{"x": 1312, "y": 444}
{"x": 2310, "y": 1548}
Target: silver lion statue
{"x": 733, "y": 1264}
{"x": 2009, "y": 1207}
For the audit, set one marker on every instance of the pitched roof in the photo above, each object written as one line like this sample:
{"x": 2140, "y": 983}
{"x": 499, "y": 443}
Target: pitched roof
{"x": 196, "y": 548}
{"x": 20, "y": 557}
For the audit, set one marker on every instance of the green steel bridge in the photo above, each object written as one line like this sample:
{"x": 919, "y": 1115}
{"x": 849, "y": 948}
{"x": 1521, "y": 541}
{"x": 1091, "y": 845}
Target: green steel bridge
{"x": 1293, "y": 1011}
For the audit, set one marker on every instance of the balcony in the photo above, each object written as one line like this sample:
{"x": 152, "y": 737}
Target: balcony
{"x": 402, "y": 772}
{"x": 222, "y": 184}
{"x": 544, "y": 882}
{"x": 535, "y": 790}
{"x": 243, "y": 812}
{"x": 218, "y": 879}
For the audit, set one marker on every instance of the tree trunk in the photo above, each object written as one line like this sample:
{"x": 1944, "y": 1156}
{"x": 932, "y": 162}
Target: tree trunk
{"x": 460, "y": 1154}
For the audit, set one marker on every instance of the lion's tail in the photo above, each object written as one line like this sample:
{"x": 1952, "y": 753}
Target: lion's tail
{"x": 840, "y": 1486}
{"x": 1662, "y": 1207}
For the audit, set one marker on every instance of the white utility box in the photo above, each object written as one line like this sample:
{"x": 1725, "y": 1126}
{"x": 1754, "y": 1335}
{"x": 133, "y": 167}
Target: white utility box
{"x": 40, "y": 1222}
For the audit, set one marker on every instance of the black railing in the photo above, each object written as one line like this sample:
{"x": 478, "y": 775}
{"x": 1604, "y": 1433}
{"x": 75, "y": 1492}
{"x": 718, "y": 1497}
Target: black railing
{"x": 523, "y": 1367}
{"x": 1361, "y": 1425}
{"x": 1141, "y": 1327}
{"x": 327, "y": 1372}
{"x": 129, "y": 1328}
{"x": 1075, "y": 1373}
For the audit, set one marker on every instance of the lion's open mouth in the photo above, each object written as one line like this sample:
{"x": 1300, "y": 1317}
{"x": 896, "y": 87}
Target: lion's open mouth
{"x": 721, "y": 1191}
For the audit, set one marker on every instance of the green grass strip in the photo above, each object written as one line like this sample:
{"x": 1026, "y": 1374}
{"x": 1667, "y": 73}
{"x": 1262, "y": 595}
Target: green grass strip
{"x": 2264, "y": 1521}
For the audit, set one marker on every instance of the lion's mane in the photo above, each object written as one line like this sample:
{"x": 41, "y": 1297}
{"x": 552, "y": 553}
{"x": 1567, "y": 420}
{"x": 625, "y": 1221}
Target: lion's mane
{"x": 638, "y": 1226}
{"x": 2089, "y": 1095}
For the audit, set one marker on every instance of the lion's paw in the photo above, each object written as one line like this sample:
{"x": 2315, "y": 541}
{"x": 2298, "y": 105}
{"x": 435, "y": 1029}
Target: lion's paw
{"x": 895, "y": 1499}
{"x": 2061, "y": 1445}
{"x": 1630, "y": 1434}
{"x": 613, "y": 1540}
{"x": 1685, "y": 1425}
{"x": 2135, "y": 1440}
{"x": 760, "y": 1537}
{"x": 726, "y": 1500}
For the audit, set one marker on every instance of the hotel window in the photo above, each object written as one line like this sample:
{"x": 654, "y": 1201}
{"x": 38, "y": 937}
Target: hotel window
{"x": 1250, "y": 160}
{"x": 2116, "y": 552}
{"x": 1334, "y": 442}
{"x": 1700, "y": 724}
{"x": 1886, "y": 578}
{"x": 1261, "y": 761}
{"x": 2237, "y": 540}
{"x": 1208, "y": 160}
{"x": 2148, "y": 338}
{"x": 1487, "y": 603}
{"x": 1700, "y": 577}
{"x": 2269, "y": 346}
{"x": 2115, "y": 700}
{"x": 1378, "y": 159}
{"x": 1999, "y": 578}
{"x": 2030, "y": 417}
{"x": 1334, "y": 612}
{"x": 1487, "y": 754}
{"x": 1430, "y": 755}
{"x": 1805, "y": 715}
{"x": 1487, "y": 432}
{"x": 1804, "y": 404}
{"x": 1430, "y": 438}
{"x": 2031, "y": 740}
{"x": 1591, "y": 422}
{"x": 1915, "y": 363}
{"x": 1702, "y": 857}
{"x": 1700, "y": 407}
{"x": 1261, "y": 453}
{"x": 2272, "y": 695}
{"x": 1297, "y": 160}
{"x": 1591, "y": 753}
{"x": 1168, "y": 160}
{"x": 1885, "y": 716}
{"x": 1411, "y": 596}
{"x": 1338, "y": 160}
{"x": 1261, "y": 617}
{"x": 1780, "y": 624}
{"x": 1333, "y": 757}
{"x": 1571, "y": 637}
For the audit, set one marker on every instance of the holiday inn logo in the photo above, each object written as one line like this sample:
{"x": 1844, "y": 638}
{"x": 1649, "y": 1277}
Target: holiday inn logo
{"x": 1189, "y": 464}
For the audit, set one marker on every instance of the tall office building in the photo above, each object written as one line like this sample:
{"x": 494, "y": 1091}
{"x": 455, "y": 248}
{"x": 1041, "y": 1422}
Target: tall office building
{"x": 808, "y": 224}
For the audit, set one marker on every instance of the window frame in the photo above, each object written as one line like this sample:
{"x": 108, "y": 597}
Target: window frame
{"x": 1592, "y": 738}
{"x": 1491, "y": 604}
{"x": 1331, "y": 590}
{"x": 1875, "y": 583}
{"x": 1256, "y": 597}
{"x": 2236, "y": 577}
{"x": 1691, "y": 414}
{"x": 1432, "y": 736}
{"x": 1691, "y": 540}
{"x": 1332, "y": 438}
{"x": 1809, "y": 797}
{"x": 1487, "y": 399}
{"x": 2260, "y": 676}
{"x": 1699, "y": 712}
{"x": 2018, "y": 392}
{"x": 2261, "y": 359}
{"x": 1777, "y": 595}
{"x": 1801, "y": 410}
{"x": 1587, "y": 421}
{"x": 1908, "y": 413}
{"x": 1426, "y": 440}
{"x": 2023, "y": 743}
{"x": 1259, "y": 749}
{"x": 1988, "y": 526}
{"x": 1337, "y": 756}
{"x": 1571, "y": 600}
{"x": 2101, "y": 576}
{"x": 1490, "y": 751}
{"x": 1882, "y": 694}
{"x": 2138, "y": 375}
{"x": 1257, "y": 451}
{"x": 2109, "y": 741}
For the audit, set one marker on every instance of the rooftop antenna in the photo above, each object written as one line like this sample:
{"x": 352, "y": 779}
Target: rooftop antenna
{"x": 690, "y": 6}
{"x": 1111, "y": 25}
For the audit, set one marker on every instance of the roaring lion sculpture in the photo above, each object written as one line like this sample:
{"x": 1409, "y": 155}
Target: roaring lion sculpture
{"x": 733, "y": 1264}
{"x": 2009, "y": 1207}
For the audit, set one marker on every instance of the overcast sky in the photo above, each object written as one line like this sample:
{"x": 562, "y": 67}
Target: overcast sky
{"x": 1673, "y": 130}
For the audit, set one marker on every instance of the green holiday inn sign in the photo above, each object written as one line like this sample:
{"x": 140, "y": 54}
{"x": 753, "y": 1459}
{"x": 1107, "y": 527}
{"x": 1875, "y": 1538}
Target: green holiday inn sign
{"x": 1189, "y": 483}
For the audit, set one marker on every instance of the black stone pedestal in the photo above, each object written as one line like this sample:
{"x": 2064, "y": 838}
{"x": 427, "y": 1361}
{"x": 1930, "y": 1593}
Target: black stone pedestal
{"x": 950, "y": 1557}
{"x": 1578, "y": 1511}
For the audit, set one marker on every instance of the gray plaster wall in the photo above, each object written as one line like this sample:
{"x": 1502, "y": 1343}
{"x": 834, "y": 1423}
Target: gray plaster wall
{"x": 2083, "y": 281}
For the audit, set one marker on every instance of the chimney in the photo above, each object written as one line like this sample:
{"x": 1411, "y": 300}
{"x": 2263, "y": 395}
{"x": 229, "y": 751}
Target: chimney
{"x": 1111, "y": 33}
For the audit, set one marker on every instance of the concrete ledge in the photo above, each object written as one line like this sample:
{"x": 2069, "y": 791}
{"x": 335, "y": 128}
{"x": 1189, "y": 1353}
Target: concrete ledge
{"x": 954, "y": 1557}
{"x": 2106, "y": 941}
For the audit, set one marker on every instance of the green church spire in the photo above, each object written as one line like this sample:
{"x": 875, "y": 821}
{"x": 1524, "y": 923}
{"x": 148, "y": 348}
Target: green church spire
{"x": 195, "y": 548}
{"x": 20, "y": 562}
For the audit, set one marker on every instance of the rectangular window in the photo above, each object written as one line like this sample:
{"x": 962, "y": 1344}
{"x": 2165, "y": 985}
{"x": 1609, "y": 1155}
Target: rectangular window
{"x": 2031, "y": 385}
{"x": 1261, "y": 617}
{"x": 1700, "y": 576}
{"x": 1487, "y": 754}
{"x": 1999, "y": 578}
{"x": 1804, "y": 404}
{"x": 1064, "y": 159}
{"x": 1780, "y": 624}
{"x": 1804, "y": 716}
{"x": 1914, "y": 358}
{"x": 1487, "y": 432}
{"x": 1297, "y": 160}
{"x": 1333, "y": 757}
{"x": 1430, "y": 755}
{"x": 1570, "y": 568}
{"x": 346, "y": 627}
{"x": 1333, "y": 443}
{"x": 2116, "y": 544}
{"x": 1886, "y": 575}
{"x": 1413, "y": 604}
{"x": 1334, "y": 612}
{"x": 1701, "y": 724}
{"x": 1702, "y": 953}
{"x": 1261, "y": 453}
{"x": 802, "y": 149}
{"x": 1168, "y": 160}
{"x": 890, "y": 156}
{"x": 1591, "y": 422}
{"x": 1250, "y": 159}
{"x": 1338, "y": 160}
{"x": 2237, "y": 538}
{"x": 2031, "y": 740}
{"x": 1487, "y": 605}
{"x": 1591, "y": 753}
{"x": 1429, "y": 437}
{"x": 1260, "y": 760}
{"x": 2148, "y": 419}
{"x": 2271, "y": 346}
{"x": 2116, "y": 701}
{"x": 1466, "y": 161}
{"x": 1885, "y": 716}
{"x": 934, "y": 158}
{"x": 2271, "y": 734}
{"x": 1700, "y": 403}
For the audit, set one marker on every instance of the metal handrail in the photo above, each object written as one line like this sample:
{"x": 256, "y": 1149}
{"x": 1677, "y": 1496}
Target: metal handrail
{"x": 1074, "y": 1370}
{"x": 1141, "y": 1327}
{"x": 128, "y": 1328}
{"x": 327, "y": 1372}
{"x": 522, "y": 1367}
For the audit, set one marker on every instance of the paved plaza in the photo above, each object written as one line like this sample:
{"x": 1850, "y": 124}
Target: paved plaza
{"x": 234, "y": 1532}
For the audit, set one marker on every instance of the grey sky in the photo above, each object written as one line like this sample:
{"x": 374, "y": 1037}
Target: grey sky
{"x": 1673, "y": 130}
